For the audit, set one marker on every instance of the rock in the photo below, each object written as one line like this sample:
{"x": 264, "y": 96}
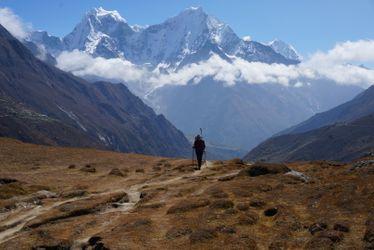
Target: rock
{"x": 94, "y": 239}
{"x": 258, "y": 169}
{"x": 257, "y": 204}
{"x": 7, "y": 181}
{"x": 316, "y": 227}
{"x": 242, "y": 206}
{"x": 230, "y": 211}
{"x": 227, "y": 177}
{"x": 248, "y": 219}
{"x": 96, "y": 243}
{"x": 237, "y": 161}
{"x": 74, "y": 193}
{"x": 139, "y": 170}
{"x": 52, "y": 247}
{"x": 271, "y": 212}
{"x": 226, "y": 229}
{"x": 43, "y": 194}
{"x": 202, "y": 235}
{"x": 334, "y": 236}
{"x": 362, "y": 164}
{"x": 88, "y": 168}
{"x": 217, "y": 193}
{"x": 72, "y": 166}
{"x": 298, "y": 176}
{"x": 342, "y": 227}
{"x": 188, "y": 205}
{"x": 116, "y": 172}
{"x": 221, "y": 204}
{"x": 177, "y": 232}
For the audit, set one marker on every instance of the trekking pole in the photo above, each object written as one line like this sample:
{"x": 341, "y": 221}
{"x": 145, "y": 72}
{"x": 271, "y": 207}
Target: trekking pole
{"x": 193, "y": 157}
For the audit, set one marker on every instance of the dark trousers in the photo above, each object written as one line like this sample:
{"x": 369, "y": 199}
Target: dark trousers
{"x": 199, "y": 156}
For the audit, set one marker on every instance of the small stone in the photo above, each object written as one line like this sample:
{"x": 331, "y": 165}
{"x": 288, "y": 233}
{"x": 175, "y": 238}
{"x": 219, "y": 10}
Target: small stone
{"x": 334, "y": 236}
{"x": 222, "y": 204}
{"x": 202, "y": 235}
{"x": 316, "y": 227}
{"x": 242, "y": 206}
{"x": 226, "y": 229}
{"x": 257, "y": 204}
{"x": 342, "y": 227}
{"x": 116, "y": 172}
{"x": 271, "y": 212}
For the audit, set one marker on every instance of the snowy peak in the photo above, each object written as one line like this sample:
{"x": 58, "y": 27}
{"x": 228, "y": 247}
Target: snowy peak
{"x": 100, "y": 13}
{"x": 285, "y": 49}
{"x": 99, "y": 33}
{"x": 189, "y": 37}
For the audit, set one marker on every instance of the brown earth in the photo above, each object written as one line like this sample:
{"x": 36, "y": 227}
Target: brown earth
{"x": 52, "y": 197}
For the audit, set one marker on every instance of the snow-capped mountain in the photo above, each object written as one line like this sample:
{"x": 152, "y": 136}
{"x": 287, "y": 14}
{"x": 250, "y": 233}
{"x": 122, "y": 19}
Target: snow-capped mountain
{"x": 100, "y": 33}
{"x": 285, "y": 49}
{"x": 188, "y": 37}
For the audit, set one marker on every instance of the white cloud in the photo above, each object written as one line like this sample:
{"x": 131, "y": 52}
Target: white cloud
{"x": 335, "y": 64}
{"x": 13, "y": 24}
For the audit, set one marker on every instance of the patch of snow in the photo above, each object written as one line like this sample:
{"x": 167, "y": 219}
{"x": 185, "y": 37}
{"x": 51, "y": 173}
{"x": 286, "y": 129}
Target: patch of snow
{"x": 72, "y": 116}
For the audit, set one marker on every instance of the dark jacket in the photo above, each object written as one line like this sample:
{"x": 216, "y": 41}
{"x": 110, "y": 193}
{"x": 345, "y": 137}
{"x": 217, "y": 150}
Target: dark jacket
{"x": 199, "y": 145}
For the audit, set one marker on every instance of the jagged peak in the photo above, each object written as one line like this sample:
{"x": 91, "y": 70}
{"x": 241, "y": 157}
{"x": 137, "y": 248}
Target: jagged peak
{"x": 101, "y": 12}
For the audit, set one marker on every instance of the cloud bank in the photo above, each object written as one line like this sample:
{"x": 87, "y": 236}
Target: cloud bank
{"x": 338, "y": 64}
{"x": 13, "y": 24}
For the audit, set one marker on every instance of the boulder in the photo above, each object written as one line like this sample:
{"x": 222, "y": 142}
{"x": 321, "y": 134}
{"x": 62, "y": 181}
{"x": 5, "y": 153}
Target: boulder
{"x": 116, "y": 172}
{"x": 259, "y": 169}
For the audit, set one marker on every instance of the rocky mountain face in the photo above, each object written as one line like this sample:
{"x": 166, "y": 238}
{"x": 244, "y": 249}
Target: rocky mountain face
{"x": 342, "y": 133}
{"x": 286, "y": 50}
{"x": 42, "y": 104}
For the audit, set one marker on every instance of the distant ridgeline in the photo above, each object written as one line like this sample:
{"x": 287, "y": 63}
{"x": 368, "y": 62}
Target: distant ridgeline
{"x": 342, "y": 133}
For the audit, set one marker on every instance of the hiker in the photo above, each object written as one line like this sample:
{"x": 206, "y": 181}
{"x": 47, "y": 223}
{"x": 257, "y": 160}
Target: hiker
{"x": 199, "y": 146}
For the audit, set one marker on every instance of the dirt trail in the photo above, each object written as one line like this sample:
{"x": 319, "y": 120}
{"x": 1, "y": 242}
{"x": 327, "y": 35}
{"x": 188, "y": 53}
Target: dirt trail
{"x": 16, "y": 223}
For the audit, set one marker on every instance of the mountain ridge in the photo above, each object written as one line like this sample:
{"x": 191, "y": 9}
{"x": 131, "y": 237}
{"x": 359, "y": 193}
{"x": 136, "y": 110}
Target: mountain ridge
{"x": 46, "y": 105}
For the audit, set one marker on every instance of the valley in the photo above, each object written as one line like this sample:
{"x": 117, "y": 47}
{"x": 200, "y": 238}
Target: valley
{"x": 74, "y": 198}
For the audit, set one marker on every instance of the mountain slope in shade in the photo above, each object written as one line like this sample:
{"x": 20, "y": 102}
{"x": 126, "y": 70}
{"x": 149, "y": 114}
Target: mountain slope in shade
{"x": 361, "y": 105}
{"x": 243, "y": 115}
{"x": 45, "y": 105}
{"x": 342, "y": 133}
{"x": 343, "y": 142}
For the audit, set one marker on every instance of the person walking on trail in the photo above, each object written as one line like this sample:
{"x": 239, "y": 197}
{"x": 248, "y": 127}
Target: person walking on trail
{"x": 199, "y": 146}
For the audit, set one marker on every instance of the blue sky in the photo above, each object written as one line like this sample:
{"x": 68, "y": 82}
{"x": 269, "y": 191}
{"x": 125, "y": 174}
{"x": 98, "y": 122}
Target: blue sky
{"x": 308, "y": 25}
